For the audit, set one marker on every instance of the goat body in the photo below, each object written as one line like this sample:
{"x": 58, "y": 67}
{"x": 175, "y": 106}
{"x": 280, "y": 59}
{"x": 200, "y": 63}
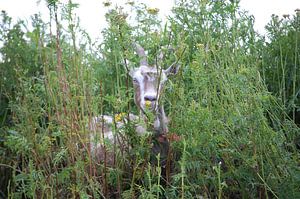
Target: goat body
{"x": 148, "y": 82}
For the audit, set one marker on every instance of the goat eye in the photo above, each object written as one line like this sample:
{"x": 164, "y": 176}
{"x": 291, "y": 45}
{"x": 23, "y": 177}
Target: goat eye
{"x": 135, "y": 81}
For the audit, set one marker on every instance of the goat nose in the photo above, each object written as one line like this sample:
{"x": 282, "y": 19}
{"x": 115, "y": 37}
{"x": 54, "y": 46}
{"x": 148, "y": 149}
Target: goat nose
{"x": 150, "y": 98}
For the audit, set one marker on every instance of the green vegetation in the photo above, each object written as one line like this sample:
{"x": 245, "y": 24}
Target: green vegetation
{"x": 234, "y": 104}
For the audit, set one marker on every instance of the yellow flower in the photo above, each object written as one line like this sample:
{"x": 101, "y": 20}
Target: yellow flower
{"x": 153, "y": 11}
{"x": 119, "y": 117}
{"x": 121, "y": 18}
{"x": 148, "y": 104}
{"x": 200, "y": 46}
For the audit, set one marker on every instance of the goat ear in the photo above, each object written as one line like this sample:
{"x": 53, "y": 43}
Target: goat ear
{"x": 173, "y": 69}
{"x": 141, "y": 53}
{"x": 131, "y": 72}
{"x": 129, "y": 67}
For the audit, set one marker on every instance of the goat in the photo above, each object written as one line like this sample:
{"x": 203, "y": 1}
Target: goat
{"x": 148, "y": 82}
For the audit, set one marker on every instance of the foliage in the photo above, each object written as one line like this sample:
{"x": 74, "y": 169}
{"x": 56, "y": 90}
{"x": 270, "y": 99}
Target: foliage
{"x": 280, "y": 63}
{"x": 223, "y": 91}
{"x": 224, "y": 104}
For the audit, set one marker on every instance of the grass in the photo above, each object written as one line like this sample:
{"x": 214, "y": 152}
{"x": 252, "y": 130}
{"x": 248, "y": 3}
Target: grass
{"x": 236, "y": 138}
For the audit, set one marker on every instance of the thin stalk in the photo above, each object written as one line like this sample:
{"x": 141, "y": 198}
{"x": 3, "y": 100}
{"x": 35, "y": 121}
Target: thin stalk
{"x": 283, "y": 80}
{"x": 295, "y": 71}
{"x": 104, "y": 146}
{"x": 183, "y": 172}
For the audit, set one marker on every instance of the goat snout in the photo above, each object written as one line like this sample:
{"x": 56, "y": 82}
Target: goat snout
{"x": 150, "y": 98}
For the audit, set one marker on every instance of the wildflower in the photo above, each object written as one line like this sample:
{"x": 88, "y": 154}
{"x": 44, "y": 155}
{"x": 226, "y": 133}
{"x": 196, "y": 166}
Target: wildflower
{"x": 148, "y": 104}
{"x": 121, "y": 18}
{"x": 106, "y": 3}
{"x": 119, "y": 117}
{"x": 286, "y": 16}
{"x": 200, "y": 46}
{"x": 130, "y": 3}
{"x": 153, "y": 11}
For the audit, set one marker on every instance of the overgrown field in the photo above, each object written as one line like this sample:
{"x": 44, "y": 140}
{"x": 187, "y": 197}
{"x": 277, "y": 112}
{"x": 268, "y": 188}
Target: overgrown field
{"x": 233, "y": 107}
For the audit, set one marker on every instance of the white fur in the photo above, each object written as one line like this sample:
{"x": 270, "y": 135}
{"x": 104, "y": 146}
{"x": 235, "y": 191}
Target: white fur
{"x": 97, "y": 125}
